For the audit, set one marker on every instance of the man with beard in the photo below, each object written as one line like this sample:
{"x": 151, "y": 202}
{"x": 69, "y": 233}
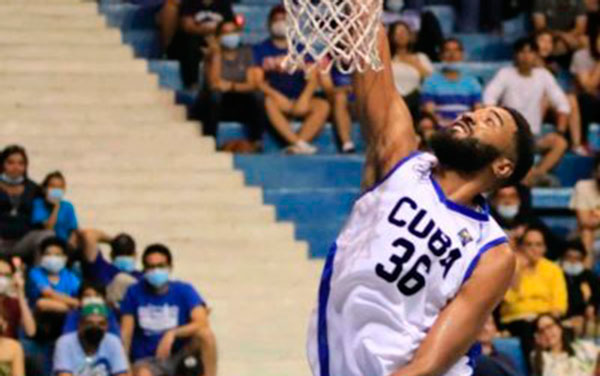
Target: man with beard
{"x": 420, "y": 263}
{"x": 91, "y": 351}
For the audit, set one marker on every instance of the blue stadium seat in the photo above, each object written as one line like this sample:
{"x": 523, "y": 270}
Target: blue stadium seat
{"x": 255, "y": 16}
{"x": 485, "y": 47}
{"x": 445, "y": 15}
{"x": 168, "y": 73}
{"x": 511, "y": 347}
{"x": 551, "y": 198}
{"x": 129, "y": 16}
{"x": 145, "y": 43}
{"x": 484, "y": 71}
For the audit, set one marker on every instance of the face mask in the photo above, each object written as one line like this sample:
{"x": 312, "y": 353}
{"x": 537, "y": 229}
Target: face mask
{"x": 124, "y": 263}
{"x": 5, "y": 283}
{"x": 92, "y": 335}
{"x": 395, "y": 5}
{"x": 12, "y": 181}
{"x": 572, "y": 269}
{"x": 55, "y": 194}
{"x": 508, "y": 211}
{"x": 157, "y": 277}
{"x": 231, "y": 41}
{"x": 278, "y": 29}
{"x": 92, "y": 300}
{"x": 53, "y": 264}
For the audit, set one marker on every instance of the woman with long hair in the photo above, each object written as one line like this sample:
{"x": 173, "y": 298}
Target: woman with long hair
{"x": 12, "y": 359}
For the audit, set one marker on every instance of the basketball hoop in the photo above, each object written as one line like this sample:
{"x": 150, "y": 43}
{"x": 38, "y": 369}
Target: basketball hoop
{"x": 333, "y": 32}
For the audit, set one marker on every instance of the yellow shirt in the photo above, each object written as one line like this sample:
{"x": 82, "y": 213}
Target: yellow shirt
{"x": 541, "y": 290}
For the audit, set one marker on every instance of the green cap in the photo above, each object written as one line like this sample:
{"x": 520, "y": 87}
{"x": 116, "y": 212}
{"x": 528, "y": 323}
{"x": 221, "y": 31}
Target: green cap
{"x": 94, "y": 309}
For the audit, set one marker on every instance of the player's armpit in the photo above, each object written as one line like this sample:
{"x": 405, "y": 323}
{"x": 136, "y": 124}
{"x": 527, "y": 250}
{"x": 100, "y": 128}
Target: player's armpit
{"x": 386, "y": 121}
{"x": 458, "y": 325}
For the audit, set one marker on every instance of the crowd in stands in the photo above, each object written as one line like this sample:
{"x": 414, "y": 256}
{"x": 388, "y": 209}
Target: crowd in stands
{"x": 66, "y": 310}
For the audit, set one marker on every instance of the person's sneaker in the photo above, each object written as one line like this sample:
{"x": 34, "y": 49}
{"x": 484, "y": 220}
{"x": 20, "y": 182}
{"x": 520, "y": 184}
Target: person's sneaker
{"x": 301, "y": 147}
{"x": 581, "y": 150}
{"x": 348, "y": 147}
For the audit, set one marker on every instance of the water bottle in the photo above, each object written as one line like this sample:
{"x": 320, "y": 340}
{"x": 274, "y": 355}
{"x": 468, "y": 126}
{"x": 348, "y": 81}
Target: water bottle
{"x": 594, "y": 137}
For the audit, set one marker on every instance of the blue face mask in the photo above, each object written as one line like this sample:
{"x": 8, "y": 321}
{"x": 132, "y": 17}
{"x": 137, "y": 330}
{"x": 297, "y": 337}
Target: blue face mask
{"x": 231, "y": 41}
{"x": 12, "y": 181}
{"x": 124, "y": 263}
{"x": 53, "y": 263}
{"x": 55, "y": 194}
{"x": 157, "y": 277}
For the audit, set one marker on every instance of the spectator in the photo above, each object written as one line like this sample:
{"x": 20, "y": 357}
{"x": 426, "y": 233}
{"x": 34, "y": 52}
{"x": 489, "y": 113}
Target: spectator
{"x": 451, "y": 92}
{"x": 16, "y": 311}
{"x": 339, "y": 91}
{"x": 17, "y": 193}
{"x": 425, "y": 128}
{"x": 229, "y": 85}
{"x": 12, "y": 358}
{"x": 491, "y": 362}
{"x": 53, "y": 212}
{"x": 524, "y": 87}
{"x": 539, "y": 287}
{"x": 198, "y": 20}
{"x": 117, "y": 276}
{"x": 586, "y": 203}
{"x": 544, "y": 41}
{"x": 288, "y": 95}
{"x": 566, "y": 18}
{"x": 556, "y": 353}
{"x": 165, "y": 321}
{"x": 582, "y": 288}
{"x": 586, "y": 69}
{"x": 409, "y": 68}
{"x": 90, "y": 293}
{"x": 92, "y": 350}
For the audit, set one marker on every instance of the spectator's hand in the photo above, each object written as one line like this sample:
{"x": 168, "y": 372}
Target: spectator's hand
{"x": 224, "y": 85}
{"x": 165, "y": 345}
{"x": 18, "y": 282}
{"x": 590, "y": 312}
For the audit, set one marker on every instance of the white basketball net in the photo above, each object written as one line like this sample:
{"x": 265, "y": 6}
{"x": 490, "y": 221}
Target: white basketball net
{"x": 328, "y": 32}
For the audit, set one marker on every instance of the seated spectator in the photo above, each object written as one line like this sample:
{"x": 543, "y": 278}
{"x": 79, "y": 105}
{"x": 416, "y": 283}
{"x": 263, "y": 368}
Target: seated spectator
{"x": 91, "y": 350}
{"x": 229, "y": 85}
{"x": 13, "y": 303}
{"x": 90, "y": 293}
{"x": 583, "y": 289}
{"x": 451, "y": 92}
{"x": 585, "y": 66}
{"x": 538, "y": 287}
{"x": 524, "y": 87}
{"x": 491, "y": 362}
{"x": 409, "y": 68}
{"x": 54, "y": 213}
{"x": 17, "y": 193}
{"x": 425, "y": 128}
{"x": 115, "y": 277}
{"x": 567, "y": 19}
{"x": 165, "y": 321}
{"x": 52, "y": 289}
{"x": 339, "y": 91}
{"x": 12, "y": 358}
{"x": 288, "y": 95}
{"x": 557, "y": 354}
{"x": 198, "y": 21}
{"x": 586, "y": 203}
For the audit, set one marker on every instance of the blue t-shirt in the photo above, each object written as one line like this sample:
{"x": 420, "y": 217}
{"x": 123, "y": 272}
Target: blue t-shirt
{"x": 155, "y": 314}
{"x": 109, "y": 360}
{"x": 68, "y": 283}
{"x": 66, "y": 220}
{"x": 72, "y": 322}
{"x": 103, "y": 272}
{"x": 269, "y": 57}
{"x": 451, "y": 97}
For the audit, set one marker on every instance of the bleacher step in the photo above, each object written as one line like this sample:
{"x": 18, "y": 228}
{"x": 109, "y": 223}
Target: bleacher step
{"x": 58, "y": 52}
{"x": 73, "y": 132}
{"x": 86, "y": 97}
{"x": 72, "y": 66}
{"x": 31, "y": 112}
{"x": 48, "y": 9}
{"x": 81, "y": 24}
{"x": 89, "y": 80}
{"x": 50, "y": 37}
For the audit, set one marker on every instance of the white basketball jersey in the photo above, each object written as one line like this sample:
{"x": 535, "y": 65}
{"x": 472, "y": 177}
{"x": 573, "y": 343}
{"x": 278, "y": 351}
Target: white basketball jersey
{"x": 403, "y": 254}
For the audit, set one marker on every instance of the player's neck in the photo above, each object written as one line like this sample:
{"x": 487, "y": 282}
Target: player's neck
{"x": 457, "y": 187}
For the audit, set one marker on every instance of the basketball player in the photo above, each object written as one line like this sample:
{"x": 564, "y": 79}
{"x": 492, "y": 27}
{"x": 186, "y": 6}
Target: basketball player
{"x": 420, "y": 264}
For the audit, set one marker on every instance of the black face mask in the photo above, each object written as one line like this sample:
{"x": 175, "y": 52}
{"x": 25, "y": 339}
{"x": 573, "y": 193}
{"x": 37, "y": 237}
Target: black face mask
{"x": 467, "y": 155}
{"x": 92, "y": 336}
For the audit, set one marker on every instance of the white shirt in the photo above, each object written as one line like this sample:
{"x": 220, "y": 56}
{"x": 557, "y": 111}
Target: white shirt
{"x": 526, "y": 94}
{"x": 406, "y": 77}
{"x": 403, "y": 254}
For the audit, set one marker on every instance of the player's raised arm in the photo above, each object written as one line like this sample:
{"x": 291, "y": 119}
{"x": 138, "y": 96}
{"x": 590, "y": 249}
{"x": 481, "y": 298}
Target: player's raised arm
{"x": 386, "y": 121}
{"x": 457, "y": 327}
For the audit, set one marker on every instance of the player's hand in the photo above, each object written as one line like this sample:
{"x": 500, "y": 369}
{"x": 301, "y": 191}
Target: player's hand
{"x": 165, "y": 345}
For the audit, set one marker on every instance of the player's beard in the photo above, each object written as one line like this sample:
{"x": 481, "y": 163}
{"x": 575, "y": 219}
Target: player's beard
{"x": 465, "y": 155}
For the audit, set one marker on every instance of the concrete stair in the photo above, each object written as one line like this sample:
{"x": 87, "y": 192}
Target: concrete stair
{"x": 76, "y": 98}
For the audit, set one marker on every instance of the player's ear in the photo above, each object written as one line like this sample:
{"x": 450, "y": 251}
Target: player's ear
{"x": 503, "y": 168}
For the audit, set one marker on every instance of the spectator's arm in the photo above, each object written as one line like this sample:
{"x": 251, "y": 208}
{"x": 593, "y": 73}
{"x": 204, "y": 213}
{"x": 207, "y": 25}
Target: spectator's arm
{"x": 539, "y": 21}
{"x": 590, "y": 80}
{"x": 51, "y": 221}
{"x": 580, "y": 25}
{"x": 494, "y": 90}
{"x": 61, "y": 299}
{"x": 190, "y": 26}
{"x": 246, "y": 86}
{"x": 127, "y": 326}
{"x": 461, "y": 321}
{"x": 559, "y": 293}
{"x": 91, "y": 239}
{"x": 199, "y": 326}
{"x": 587, "y": 219}
{"x": 215, "y": 82}
{"x": 27, "y": 319}
{"x": 18, "y": 361}
{"x": 559, "y": 101}
{"x": 386, "y": 121}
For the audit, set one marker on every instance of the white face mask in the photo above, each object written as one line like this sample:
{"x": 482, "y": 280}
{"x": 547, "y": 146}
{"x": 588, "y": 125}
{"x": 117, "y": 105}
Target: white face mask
{"x": 572, "y": 268}
{"x": 508, "y": 211}
{"x": 5, "y": 283}
{"x": 278, "y": 29}
{"x": 395, "y": 5}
